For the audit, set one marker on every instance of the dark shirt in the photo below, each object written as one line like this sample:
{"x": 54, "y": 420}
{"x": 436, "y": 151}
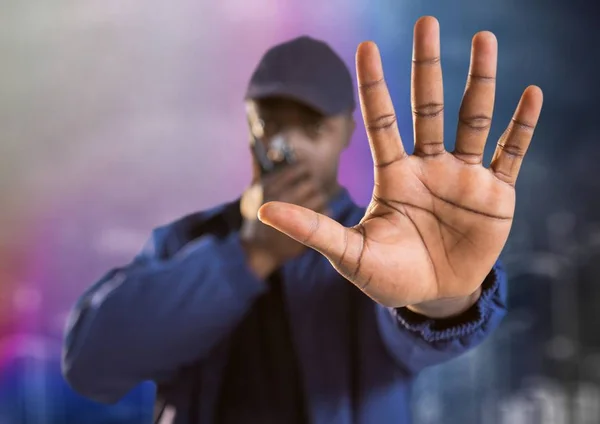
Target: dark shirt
{"x": 262, "y": 382}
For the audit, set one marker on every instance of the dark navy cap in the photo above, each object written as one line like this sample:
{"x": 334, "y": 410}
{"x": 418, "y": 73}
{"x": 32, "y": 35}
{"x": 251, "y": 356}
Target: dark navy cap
{"x": 305, "y": 70}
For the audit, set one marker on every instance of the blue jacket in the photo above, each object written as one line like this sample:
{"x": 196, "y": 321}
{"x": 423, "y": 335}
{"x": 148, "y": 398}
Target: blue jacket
{"x": 172, "y": 310}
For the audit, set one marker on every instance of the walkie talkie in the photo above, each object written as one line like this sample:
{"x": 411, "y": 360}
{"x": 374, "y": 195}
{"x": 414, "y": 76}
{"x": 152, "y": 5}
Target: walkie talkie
{"x": 273, "y": 157}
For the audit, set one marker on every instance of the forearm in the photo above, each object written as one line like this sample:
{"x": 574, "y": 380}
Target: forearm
{"x": 157, "y": 318}
{"x": 418, "y": 340}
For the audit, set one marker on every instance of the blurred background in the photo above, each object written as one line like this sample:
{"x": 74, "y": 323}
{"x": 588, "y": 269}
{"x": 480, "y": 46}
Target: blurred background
{"x": 117, "y": 117}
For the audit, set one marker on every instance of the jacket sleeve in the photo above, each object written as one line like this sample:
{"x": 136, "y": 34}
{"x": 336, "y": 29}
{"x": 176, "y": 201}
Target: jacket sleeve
{"x": 417, "y": 342}
{"x": 146, "y": 320}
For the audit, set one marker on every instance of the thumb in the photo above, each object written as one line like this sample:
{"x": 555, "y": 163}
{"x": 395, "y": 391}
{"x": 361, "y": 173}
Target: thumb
{"x": 310, "y": 228}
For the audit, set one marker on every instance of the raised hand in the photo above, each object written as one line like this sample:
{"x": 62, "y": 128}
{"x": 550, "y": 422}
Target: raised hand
{"x": 437, "y": 220}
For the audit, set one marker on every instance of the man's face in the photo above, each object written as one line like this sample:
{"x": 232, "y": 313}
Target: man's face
{"x": 317, "y": 140}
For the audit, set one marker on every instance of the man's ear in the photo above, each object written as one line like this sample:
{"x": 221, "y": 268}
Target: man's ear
{"x": 351, "y": 126}
{"x": 255, "y": 168}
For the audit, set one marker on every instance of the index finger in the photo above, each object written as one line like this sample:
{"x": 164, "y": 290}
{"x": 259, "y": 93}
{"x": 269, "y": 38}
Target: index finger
{"x": 377, "y": 108}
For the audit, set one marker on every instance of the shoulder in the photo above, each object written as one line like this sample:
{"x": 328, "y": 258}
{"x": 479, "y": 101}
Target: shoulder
{"x": 168, "y": 239}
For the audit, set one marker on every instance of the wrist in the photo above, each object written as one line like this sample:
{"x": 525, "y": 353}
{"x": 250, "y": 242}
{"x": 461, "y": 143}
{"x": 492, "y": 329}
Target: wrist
{"x": 446, "y": 308}
{"x": 260, "y": 261}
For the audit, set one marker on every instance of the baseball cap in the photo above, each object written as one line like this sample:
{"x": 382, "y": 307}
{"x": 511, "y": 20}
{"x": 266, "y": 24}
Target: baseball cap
{"x": 308, "y": 71}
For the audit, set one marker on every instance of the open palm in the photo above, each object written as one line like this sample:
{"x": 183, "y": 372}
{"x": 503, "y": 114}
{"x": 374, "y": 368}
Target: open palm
{"x": 438, "y": 220}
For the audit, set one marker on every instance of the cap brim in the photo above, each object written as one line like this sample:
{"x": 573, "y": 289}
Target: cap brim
{"x": 299, "y": 94}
